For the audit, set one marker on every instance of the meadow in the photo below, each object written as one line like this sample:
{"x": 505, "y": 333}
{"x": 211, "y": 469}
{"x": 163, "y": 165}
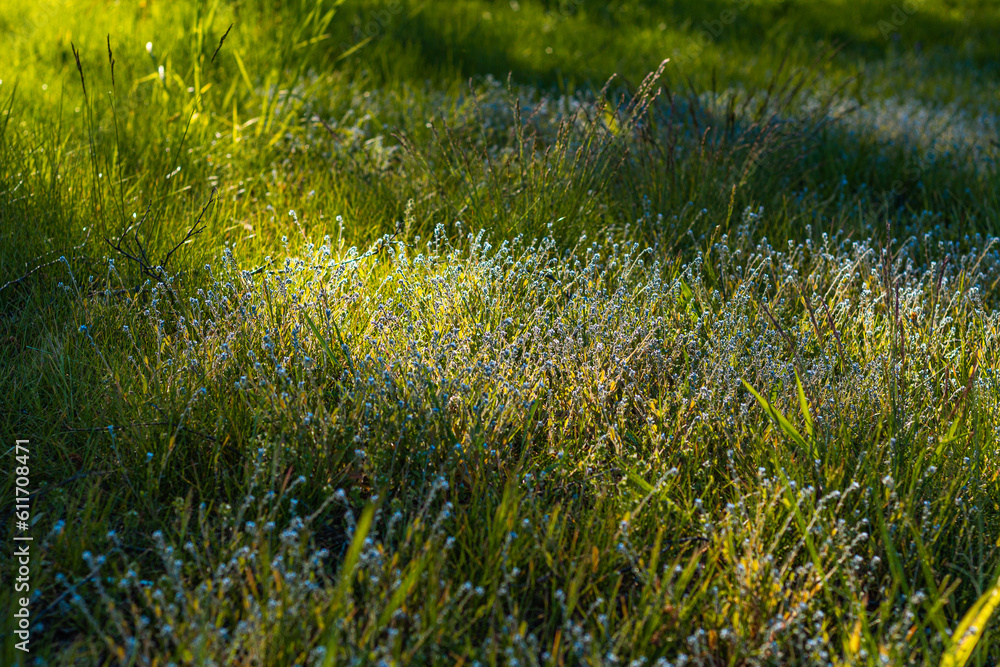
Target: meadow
{"x": 534, "y": 332}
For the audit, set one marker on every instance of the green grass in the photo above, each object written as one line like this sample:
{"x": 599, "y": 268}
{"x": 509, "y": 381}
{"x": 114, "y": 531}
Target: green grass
{"x": 394, "y": 331}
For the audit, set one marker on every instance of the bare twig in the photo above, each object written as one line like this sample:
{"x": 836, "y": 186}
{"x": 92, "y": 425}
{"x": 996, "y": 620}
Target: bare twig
{"x": 11, "y": 283}
{"x": 194, "y": 231}
{"x": 29, "y": 273}
{"x": 134, "y": 250}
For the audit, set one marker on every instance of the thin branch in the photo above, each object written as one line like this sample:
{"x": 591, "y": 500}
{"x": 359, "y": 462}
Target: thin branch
{"x": 29, "y": 273}
{"x": 194, "y": 231}
{"x": 11, "y": 283}
{"x": 140, "y": 256}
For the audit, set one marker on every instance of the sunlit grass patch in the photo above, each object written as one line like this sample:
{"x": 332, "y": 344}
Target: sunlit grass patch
{"x": 600, "y": 388}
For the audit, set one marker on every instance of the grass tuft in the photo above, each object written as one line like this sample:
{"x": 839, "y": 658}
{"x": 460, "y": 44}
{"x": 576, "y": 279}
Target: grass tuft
{"x": 340, "y": 337}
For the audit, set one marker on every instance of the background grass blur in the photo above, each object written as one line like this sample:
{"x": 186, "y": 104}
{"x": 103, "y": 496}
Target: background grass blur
{"x": 778, "y": 123}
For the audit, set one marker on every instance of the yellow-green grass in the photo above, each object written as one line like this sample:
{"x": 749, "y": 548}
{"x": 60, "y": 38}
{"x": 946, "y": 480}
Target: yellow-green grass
{"x": 381, "y": 333}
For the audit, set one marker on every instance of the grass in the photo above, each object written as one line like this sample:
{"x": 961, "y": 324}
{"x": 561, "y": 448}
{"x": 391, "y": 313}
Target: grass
{"x": 394, "y": 332}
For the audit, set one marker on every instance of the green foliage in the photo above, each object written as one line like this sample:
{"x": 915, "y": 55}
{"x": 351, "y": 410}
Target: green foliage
{"x": 695, "y": 366}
